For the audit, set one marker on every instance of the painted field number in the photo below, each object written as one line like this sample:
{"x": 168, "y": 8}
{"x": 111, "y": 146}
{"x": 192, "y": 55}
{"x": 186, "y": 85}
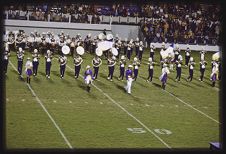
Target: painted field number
{"x": 136, "y": 130}
{"x": 163, "y": 131}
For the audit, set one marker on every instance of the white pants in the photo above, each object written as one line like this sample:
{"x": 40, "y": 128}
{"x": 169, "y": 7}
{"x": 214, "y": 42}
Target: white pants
{"x": 129, "y": 85}
{"x": 87, "y": 81}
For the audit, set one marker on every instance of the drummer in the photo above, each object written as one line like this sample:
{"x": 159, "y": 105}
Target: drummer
{"x": 77, "y": 62}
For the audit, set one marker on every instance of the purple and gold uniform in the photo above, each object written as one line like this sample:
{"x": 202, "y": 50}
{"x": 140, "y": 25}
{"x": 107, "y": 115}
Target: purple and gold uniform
{"x": 63, "y": 62}
{"x": 28, "y": 70}
{"x": 88, "y": 77}
{"x": 150, "y": 69}
{"x": 96, "y": 64}
{"x": 122, "y": 64}
{"x": 136, "y": 64}
{"x": 35, "y": 61}
{"x": 164, "y": 76}
{"x": 129, "y": 79}
{"x": 111, "y": 67}
{"x": 48, "y": 58}
{"x": 202, "y": 69}
{"x": 20, "y": 57}
{"x": 215, "y": 70}
{"x": 77, "y": 62}
{"x": 191, "y": 66}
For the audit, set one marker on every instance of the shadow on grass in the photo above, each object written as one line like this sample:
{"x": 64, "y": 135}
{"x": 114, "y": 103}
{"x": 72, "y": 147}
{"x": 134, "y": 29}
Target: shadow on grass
{"x": 199, "y": 85}
{"x": 103, "y": 75}
{"x": 70, "y": 74}
{"x": 56, "y": 73}
{"x": 172, "y": 85}
{"x": 157, "y": 85}
{"x": 36, "y": 79}
{"x": 42, "y": 73}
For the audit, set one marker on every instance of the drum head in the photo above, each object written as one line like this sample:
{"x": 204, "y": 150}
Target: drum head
{"x": 80, "y": 50}
{"x": 109, "y": 36}
{"x": 99, "y": 52}
{"x": 114, "y": 51}
{"x": 65, "y": 49}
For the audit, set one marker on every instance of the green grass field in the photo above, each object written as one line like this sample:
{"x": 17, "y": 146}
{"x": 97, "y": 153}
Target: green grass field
{"x": 56, "y": 113}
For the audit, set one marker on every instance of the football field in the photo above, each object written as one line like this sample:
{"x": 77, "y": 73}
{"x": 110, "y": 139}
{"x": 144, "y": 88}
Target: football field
{"x": 60, "y": 113}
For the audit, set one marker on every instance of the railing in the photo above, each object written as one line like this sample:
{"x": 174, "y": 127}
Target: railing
{"x": 73, "y": 18}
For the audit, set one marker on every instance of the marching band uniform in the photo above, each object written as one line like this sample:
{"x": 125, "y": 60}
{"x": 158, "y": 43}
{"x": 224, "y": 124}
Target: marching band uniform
{"x": 150, "y": 69}
{"x": 122, "y": 64}
{"x": 129, "y": 79}
{"x": 152, "y": 52}
{"x": 219, "y": 72}
{"x": 28, "y": 70}
{"x": 94, "y": 44}
{"x": 136, "y": 65}
{"x": 176, "y": 53}
{"x": 72, "y": 46}
{"x": 191, "y": 65}
{"x": 125, "y": 45}
{"x": 6, "y": 55}
{"x": 111, "y": 67}
{"x": 213, "y": 76}
{"x": 88, "y": 77}
{"x": 178, "y": 67}
{"x": 11, "y": 41}
{"x": 202, "y": 55}
{"x": 129, "y": 49}
{"x": 63, "y": 62}
{"x": 52, "y": 44}
{"x": 87, "y": 43}
{"x": 35, "y": 61}
{"x": 61, "y": 43}
{"x": 48, "y": 58}
{"x": 203, "y": 64}
{"x": 20, "y": 57}
{"x": 77, "y": 62}
{"x": 162, "y": 50}
{"x": 19, "y": 41}
{"x": 137, "y": 44}
{"x": 38, "y": 41}
{"x": 141, "y": 50}
{"x": 96, "y": 64}
{"x": 118, "y": 45}
{"x": 163, "y": 77}
{"x": 187, "y": 56}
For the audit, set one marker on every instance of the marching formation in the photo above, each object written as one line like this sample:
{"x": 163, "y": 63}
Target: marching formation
{"x": 103, "y": 46}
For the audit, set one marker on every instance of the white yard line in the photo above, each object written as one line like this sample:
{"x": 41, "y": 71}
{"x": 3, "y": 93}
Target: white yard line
{"x": 113, "y": 101}
{"x": 46, "y": 111}
{"x": 189, "y": 105}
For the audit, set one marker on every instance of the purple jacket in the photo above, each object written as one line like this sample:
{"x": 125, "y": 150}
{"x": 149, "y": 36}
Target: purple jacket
{"x": 128, "y": 73}
{"x": 88, "y": 72}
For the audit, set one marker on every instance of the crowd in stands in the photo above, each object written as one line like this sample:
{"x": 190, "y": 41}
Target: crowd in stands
{"x": 161, "y": 22}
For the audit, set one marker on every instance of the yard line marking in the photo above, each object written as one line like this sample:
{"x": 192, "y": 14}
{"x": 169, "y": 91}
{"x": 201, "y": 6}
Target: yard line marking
{"x": 189, "y": 105}
{"x": 117, "y": 104}
{"x": 131, "y": 104}
{"x": 46, "y": 111}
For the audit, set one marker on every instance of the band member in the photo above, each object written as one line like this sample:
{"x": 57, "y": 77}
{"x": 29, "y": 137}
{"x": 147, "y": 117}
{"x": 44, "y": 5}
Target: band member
{"x": 191, "y": 66}
{"x": 150, "y": 69}
{"x": 170, "y": 61}
{"x": 125, "y": 45}
{"x": 30, "y": 41}
{"x": 111, "y": 67}
{"x": 130, "y": 49}
{"x": 202, "y": 69}
{"x": 72, "y": 46}
{"x": 118, "y": 46}
{"x": 219, "y": 72}
{"x": 28, "y": 70}
{"x": 61, "y": 43}
{"x": 6, "y": 55}
{"x": 162, "y": 50}
{"x": 122, "y": 64}
{"x": 187, "y": 56}
{"x": 87, "y": 43}
{"x": 63, "y": 62}
{"x": 141, "y": 50}
{"x": 136, "y": 65}
{"x": 11, "y": 41}
{"x": 88, "y": 77}
{"x": 52, "y": 44}
{"x": 213, "y": 76}
{"x": 178, "y": 63}
{"x": 137, "y": 44}
{"x": 35, "y": 61}
{"x": 96, "y": 64}
{"x": 129, "y": 79}
{"x": 77, "y": 62}
{"x": 48, "y": 58}
{"x": 152, "y": 51}
{"x": 19, "y": 41}
{"x": 176, "y": 53}
{"x": 43, "y": 44}
{"x": 38, "y": 41}
{"x": 94, "y": 44}
{"x": 20, "y": 57}
{"x": 164, "y": 76}
{"x": 202, "y": 54}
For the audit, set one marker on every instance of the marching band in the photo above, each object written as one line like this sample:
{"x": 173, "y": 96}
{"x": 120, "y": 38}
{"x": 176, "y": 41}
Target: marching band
{"x": 50, "y": 44}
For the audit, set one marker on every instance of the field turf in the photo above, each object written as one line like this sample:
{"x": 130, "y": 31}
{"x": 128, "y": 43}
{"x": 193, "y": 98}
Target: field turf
{"x": 60, "y": 113}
